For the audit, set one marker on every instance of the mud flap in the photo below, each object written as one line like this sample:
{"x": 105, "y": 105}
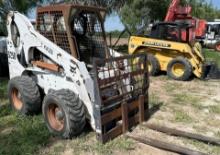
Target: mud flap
{"x": 121, "y": 94}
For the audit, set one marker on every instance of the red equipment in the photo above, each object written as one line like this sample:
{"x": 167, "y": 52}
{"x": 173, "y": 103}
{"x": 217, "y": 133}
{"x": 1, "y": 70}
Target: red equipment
{"x": 177, "y": 13}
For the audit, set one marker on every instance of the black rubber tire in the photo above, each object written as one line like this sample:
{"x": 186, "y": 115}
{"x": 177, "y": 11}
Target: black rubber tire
{"x": 72, "y": 108}
{"x": 29, "y": 95}
{"x": 187, "y": 69}
{"x": 154, "y": 63}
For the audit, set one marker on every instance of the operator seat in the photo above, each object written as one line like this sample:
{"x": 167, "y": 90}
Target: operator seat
{"x": 87, "y": 40}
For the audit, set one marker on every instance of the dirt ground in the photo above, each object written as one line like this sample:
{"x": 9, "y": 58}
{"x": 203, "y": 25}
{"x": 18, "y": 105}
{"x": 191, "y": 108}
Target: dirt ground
{"x": 192, "y": 106}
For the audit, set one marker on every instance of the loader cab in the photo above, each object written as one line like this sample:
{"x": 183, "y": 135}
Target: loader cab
{"x": 77, "y": 29}
{"x": 178, "y": 32}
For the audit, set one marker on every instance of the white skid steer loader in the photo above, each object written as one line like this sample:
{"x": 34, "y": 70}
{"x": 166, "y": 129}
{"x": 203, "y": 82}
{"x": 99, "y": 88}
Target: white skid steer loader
{"x": 66, "y": 69}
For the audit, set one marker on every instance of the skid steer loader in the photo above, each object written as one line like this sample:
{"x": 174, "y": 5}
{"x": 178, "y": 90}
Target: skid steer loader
{"x": 66, "y": 70}
{"x": 171, "y": 48}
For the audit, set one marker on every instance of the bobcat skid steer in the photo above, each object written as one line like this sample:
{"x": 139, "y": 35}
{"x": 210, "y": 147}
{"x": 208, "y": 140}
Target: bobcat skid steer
{"x": 66, "y": 69}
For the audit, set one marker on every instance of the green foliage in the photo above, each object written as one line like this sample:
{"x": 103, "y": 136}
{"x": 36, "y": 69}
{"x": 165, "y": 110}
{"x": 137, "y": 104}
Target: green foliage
{"x": 22, "y": 135}
{"x": 19, "y": 5}
{"x": 204, "y": 10}
{"x": 211, "y": 55}
{"x": 138, "y": 12}
{"x": 111, "y": 5}
{"x": 3, "y": 89}
{"x": 19, "y": 135}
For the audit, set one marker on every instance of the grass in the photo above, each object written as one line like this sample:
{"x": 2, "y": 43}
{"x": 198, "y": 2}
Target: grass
{"x": 19, "y": 135}
{"x": 154, "y": 99}
{"x": 212, "y": 55}
{"x": 180, "y": 99}
{"x": 87, "y": 143}
{"x": 171, "y": 86}
{"x": 209, "y": 149}
{"x": 186, "y": 99}
{"x": 181, "y": 116}
{"x": 214, "y": 109}
{"x": 22, "y": 135}
{"x": 120, "y": 144}
{"x": 25, "y": 135}
{"x": 3, "y": 88}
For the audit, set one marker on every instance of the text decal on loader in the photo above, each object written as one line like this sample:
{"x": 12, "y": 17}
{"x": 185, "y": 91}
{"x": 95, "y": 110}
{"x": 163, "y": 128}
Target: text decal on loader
{"x": 11, "y": 55}
{"x": 156, "y": 44}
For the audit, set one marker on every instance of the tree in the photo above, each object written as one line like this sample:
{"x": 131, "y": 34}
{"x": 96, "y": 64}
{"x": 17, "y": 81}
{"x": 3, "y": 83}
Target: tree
{"x": 111, "y": 5}
{"x": 24, "y": 5}
{"x": 19, "y": 5}
{"x": 203, "y": 10}
{"x": 138, "y": 12}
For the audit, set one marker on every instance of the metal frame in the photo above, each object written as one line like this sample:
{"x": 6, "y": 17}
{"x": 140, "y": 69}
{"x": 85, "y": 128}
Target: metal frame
{"x": 126, "y": 110}
{"x": 66, "y": 12}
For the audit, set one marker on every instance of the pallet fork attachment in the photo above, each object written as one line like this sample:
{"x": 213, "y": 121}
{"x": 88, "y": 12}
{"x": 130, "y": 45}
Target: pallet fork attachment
{"x": 129, "y": 105}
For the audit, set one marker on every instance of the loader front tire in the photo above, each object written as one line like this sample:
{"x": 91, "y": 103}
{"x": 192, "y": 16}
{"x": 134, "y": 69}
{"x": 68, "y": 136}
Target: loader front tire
{"x": 153, "y": 65}
{"x": 24, "y": 95}
{"x": 179, "y": 69}
{"x": 64, "y": 113}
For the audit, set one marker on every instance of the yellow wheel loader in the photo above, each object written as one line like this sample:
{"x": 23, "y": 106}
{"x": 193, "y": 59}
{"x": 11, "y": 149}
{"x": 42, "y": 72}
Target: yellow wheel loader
{"x": 170, "y": 48}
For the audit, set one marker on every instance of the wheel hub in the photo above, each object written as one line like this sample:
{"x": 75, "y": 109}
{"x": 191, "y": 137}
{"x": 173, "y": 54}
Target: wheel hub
{"x": 55, "y": 117}
{"x": 149, "y": 65}
{"x": 59, "y": 114}
{"x": 178, "y": 69}
{"x": 16, "y": 99}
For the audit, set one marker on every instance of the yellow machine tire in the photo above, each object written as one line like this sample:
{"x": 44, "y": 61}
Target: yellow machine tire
{"x": 154, "y": 63}
{"x": 179, "y": 69}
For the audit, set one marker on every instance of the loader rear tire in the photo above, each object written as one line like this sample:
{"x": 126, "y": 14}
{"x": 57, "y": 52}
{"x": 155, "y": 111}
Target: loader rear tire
{"x": 24, "y": 95}
{"x": 153, "y": 65}
{"x": 179, "y": 69}
{"x": 64, "y": 113}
